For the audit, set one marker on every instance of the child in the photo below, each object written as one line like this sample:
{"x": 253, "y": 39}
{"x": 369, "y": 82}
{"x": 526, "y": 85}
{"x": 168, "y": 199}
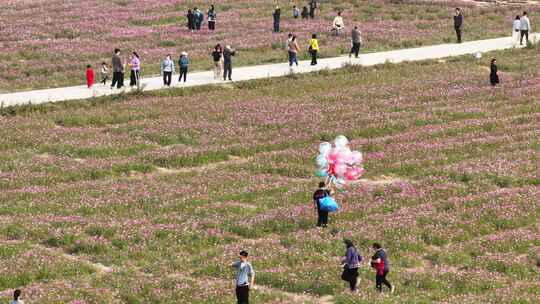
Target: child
{"x": 104, "y": 73}
{"x": 89, "y": 76}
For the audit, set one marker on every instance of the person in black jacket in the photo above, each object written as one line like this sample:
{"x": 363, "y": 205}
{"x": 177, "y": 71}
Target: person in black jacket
{"x": 305, "y": 12}
{"x": 277, "y": 19}
{"x": 190, "y": 20}
{"x": 458, "y": 22}
{"x": 312, "y": 7}
{"x": 319, "y": 194}
{"x": 228, "y": 53}
{"x": 493, "y": 76}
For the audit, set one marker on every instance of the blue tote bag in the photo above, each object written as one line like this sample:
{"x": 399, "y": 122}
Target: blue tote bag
{"x": 329, "y": 204}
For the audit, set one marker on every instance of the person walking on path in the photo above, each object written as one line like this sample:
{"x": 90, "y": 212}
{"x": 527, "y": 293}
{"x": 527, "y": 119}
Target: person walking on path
{"x": 312, "y": 7}
{"x": 89, "y": 76}
{"x": 190, "y": 20}
{"x": 351, "y": 262}
{"x": 293, "y": 51}
{"x": 277, "y": 19}
{"x": 212, "y": 18}
{"x": 228, "y": 53}
{"x": 379, "y": 261}
{"x": 295, "y": 12}
{"x": 118, "y": 70}
{"x": 516, "y": 30}
{"x": 183, "y": 63}
{"x": 167, "y": 69}
{"x": 217, "y": 58}
{"x": 17, "y": 299}
{"x": 525, "y": 28}
{"x": 458, "y": 23}
{"x": 305, "y": 12}
{"x": 356, "y": 40}
{"x": 244, "y": 279}
{"x": 313, "y": 49}
{"x": 322, "y": 216}
{"x": 104, "y": 73}
{"x": 135, "y": 65}
{"x": 493, "y": 76}
{"x": 337, "y": 24}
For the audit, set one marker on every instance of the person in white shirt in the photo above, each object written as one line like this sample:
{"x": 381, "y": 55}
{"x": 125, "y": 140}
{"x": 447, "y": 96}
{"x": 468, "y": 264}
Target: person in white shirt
{"x": 516, "y": 30}
{"x": 525, "y": 28}
{"x": 338, "y": 24}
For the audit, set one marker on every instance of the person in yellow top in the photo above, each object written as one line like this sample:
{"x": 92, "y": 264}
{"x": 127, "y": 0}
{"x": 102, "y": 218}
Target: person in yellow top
{"x": 314, "y": 49}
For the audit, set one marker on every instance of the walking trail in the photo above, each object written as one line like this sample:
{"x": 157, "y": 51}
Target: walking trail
{"x": 269, "y": 70}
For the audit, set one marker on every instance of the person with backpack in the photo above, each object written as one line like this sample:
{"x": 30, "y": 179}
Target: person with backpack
{"x": 118, "y": 70}
{"x": 379, "y": 261}
{"x": 167, "y": 69}
{"x": 277, "y": 19}
{"x": 228, "y": 53}
{"x": 313, "y": 49}
{"x": 244, "y": 279}
{"x": 293, "y": 51}
{"x": 351, "y": 262}
{"x": 212, "y": 18}
{"x": 322, "y": 216}
{"x": 183, "y": 63}
{"x": 17, "y": 299}
{"x": 190, "y": 20}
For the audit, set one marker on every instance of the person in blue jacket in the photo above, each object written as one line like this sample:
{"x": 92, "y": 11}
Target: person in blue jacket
{"x": 183, "y": 63}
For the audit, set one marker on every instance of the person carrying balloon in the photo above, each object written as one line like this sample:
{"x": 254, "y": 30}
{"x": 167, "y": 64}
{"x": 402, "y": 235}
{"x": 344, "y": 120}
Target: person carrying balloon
{"x": 319, "y": 194}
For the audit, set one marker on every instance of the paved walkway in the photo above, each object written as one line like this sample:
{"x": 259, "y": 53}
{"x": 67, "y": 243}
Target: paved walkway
{"x": 269, "y": 70}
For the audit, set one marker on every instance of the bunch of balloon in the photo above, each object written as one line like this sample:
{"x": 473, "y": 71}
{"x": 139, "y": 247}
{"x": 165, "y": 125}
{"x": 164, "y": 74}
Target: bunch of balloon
{"x": 338, "y": 164}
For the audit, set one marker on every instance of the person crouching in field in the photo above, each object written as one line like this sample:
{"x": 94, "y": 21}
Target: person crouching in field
{"x": 89, "y": 76}
{"x": 244, "y": 279}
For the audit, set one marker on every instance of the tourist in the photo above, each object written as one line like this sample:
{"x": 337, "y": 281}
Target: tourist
{"x": 277, "y": 19}
{"x": 167, "y": 69}
{"x": 516, "y": 30}
{"x": 228, "y": 53}
{"x": 305, "y": 12}
{"x": 118, "y": 70}
{"x": 17, "y": 299}
{"x": 493, "y": 76}
{"x": 338, "y": 25}
{"x": 199, "y": 18}
{"x": 312, "y": 7}
{"x": 217, "y": 57}
{"x": 313, "y": 49}
{"x": 295, "y": 12}
{"x": 183, "y": 63}
{"x": 245, "y": 277}
{"x": 351, "y": 262}
{"x": 458, "y": 22}
{"x": 212, "y": 18}
{"x": 379, "y": 261}
{"x": 135, "y": 65}
{"x": 356, "y": 40}
{"x": 293, "y": 51}
{"x": 525, "y": 28}
{"x": 322, "y": 216}
{"x": 104, "y": 73}
{"x": 190, "y": 20}
{"x": 89, "y": 76}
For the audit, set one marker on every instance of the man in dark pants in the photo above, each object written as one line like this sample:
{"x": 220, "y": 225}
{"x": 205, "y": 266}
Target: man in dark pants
{"x": 227, "y": 62}
{"x": 356, "y": 39}
{"x": 312, "y": 7}
{"x": 458, "y": 22}
{"x": 379, "y": 261}
{"x": 245, "y": 277}
{"x": 118, "y": 70}
{"x": 525, "y": 28}
{"x": 277, "y": 19}
{"x": 322, "y": 220}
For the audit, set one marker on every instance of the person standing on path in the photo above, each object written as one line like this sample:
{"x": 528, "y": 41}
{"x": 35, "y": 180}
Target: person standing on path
{"x": 104, "y": 73}
{"x": 293, "y": 51}
{"x": 183, "y": 63}
{"x": 277, "y": 18}
{"x": 135, "y": 65}
{"x": 167, "y": 69}
{"x": 312, "y": 7}
{"x": 458, "y": 23}
{"x": 295, "y": 12}
{"x": 17, "y": 299}
{"x": 217, "y": 58}
{"x": 356, "y": 40}
{"x": 525, "y": 28}
{"x": 379, "y": 261}
{"x": 305, "y": 12}
{"x": 118, "y": 70}
{"x": 228, "y": 53}
{"x": 516, "y": 30}
{"x": 493, "y": 76}
{"x": 322, "y": 216}
{"x": 244, "y": 279}
{"x": 212, "y": 18}
{"x": 89, "y": 76}
{"x": 351, "y": 262}
{"x": 338, "y": 25}
{"x": 190, "y": 20}
{"x": 313, "y": 49}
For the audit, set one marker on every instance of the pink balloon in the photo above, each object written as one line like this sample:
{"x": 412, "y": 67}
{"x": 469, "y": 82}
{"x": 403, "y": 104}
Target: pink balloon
{"x": 341, "y": 168}
{"x": 355, "y": 157}
{"x": 349, "y": 175}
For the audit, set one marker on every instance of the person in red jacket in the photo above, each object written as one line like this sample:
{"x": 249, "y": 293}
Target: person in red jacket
{"x": 89, "y": 76}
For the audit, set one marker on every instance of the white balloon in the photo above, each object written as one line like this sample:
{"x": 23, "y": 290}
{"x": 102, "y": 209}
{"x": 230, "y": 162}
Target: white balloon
{"x": 341, "y": 141}
{"x": 321, "y": 161}
{"x": 325, "y": 147}
{"x": 340, "y": 183}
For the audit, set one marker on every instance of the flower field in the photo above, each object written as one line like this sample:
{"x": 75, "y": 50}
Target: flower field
{"x": 149, "y": 197}
{"x": 48, "y": 43}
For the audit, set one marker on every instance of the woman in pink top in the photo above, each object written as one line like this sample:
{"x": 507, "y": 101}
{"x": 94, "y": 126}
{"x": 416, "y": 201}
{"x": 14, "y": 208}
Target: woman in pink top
{"x": 135, "y": 65}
